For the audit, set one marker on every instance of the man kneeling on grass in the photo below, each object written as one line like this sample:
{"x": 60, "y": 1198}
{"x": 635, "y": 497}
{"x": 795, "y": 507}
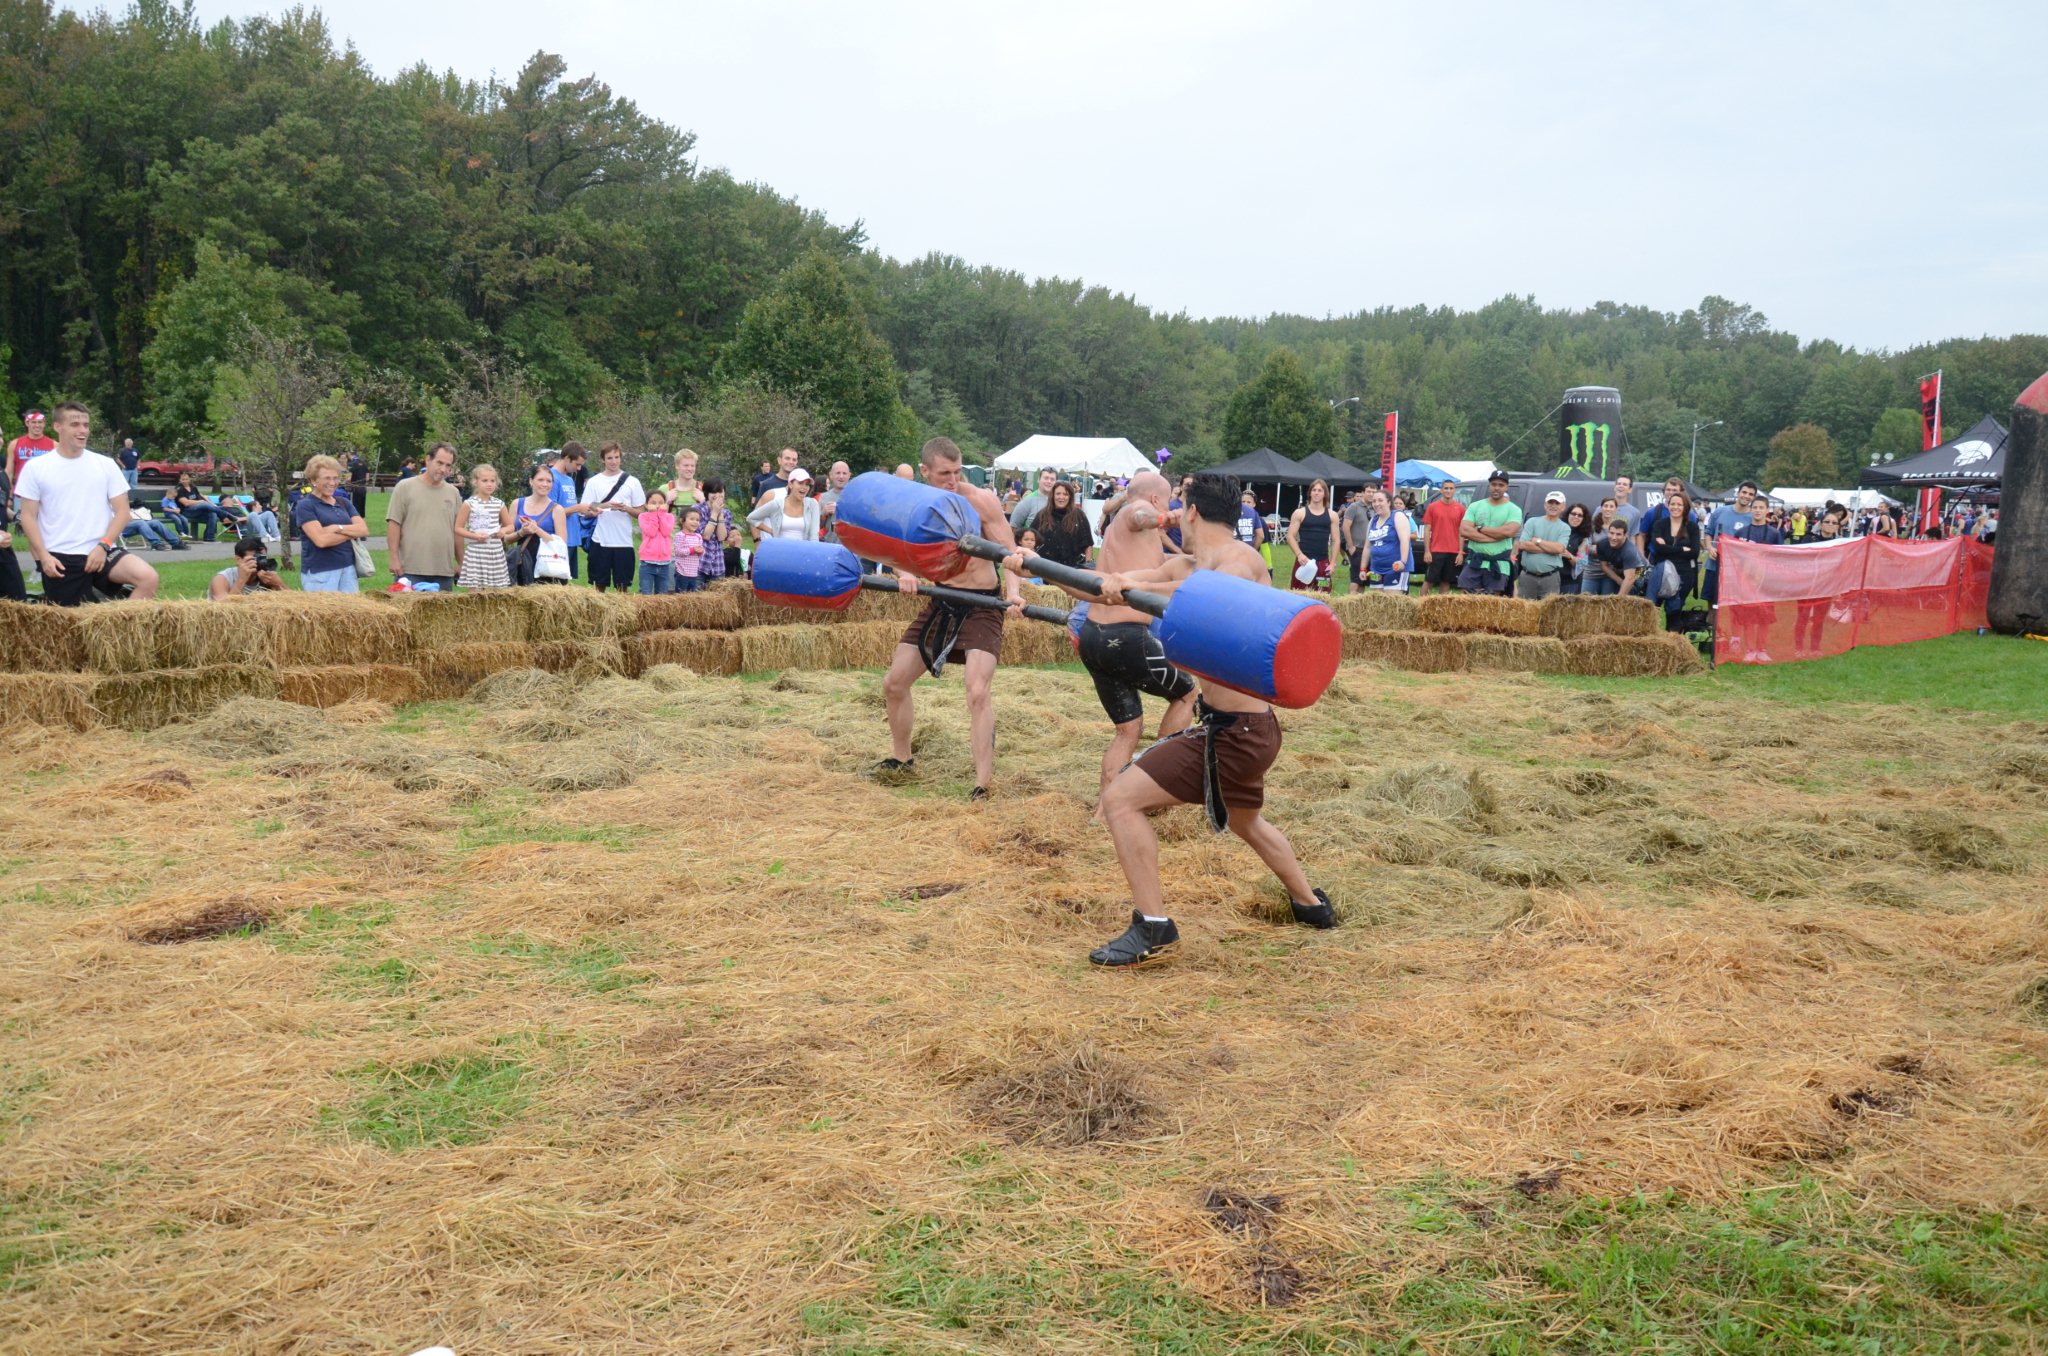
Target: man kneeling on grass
{"x": 1218, "y": 763}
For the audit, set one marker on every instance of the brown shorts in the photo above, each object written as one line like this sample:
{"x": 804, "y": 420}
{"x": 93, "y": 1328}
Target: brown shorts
{"x": 980, "y": 629}
{"x": 1244, "y": 750}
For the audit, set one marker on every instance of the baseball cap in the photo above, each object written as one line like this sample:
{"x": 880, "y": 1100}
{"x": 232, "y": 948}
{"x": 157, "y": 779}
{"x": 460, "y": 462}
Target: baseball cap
{"x": 1501, "y": 476}
{"x": 799, "y": 474}
{"x": 1554, "y": 497}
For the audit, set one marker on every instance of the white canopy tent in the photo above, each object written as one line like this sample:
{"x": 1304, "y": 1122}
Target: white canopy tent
{"x": 1805, "y": 498}
{"x": 1096, "y": 456}
{"x": 1464, "y": 472}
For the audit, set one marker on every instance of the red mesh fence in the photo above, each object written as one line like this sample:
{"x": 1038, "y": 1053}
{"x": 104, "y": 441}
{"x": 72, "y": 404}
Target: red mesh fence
{"x": 1806, "y": 602}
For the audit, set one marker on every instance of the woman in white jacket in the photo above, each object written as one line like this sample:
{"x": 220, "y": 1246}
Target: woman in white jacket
{"x": 791, "y": 515}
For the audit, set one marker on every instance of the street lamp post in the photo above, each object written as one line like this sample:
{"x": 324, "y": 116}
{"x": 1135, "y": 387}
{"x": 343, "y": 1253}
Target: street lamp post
{"x": 1694, "y": 466}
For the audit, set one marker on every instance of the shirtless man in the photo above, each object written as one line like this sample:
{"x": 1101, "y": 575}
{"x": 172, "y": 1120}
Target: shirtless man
{"x": 1117, "y": 645}
{"x": 1240, "y": 728}
{"x": 941, "y": 629}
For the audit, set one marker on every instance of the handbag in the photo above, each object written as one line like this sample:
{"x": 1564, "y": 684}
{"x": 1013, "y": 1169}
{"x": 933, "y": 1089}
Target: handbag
{"x": 552, "y": 560}
{"x": 1667, "y": 581}
{"x": 366, "y": 564}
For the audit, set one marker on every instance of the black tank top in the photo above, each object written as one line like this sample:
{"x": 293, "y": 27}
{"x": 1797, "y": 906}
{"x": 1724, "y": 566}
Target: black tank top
{"x": 1315, "y": 534}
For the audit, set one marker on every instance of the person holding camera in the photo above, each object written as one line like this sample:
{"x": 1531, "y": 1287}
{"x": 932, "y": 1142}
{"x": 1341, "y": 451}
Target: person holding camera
{"x": 330, "y": 525}
{"x": 252, "y": 572}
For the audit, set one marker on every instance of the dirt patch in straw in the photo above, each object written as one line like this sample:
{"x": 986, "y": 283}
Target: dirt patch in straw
{"x": 1073, "y": 1096}
{"x": 222, "y": 919}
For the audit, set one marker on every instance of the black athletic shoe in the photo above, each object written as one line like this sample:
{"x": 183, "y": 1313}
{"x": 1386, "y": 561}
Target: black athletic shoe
{"x": 1141, "y": 942}
{"x": 978, "y": 793}
{"x": 893, "y": 769}
{"x": 1320, "y": 914}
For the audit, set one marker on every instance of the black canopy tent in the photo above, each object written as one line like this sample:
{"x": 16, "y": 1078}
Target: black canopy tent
{"x": 1975, "y": 460}
{"x": 1265, "y": 467}
{"x": 1339, "y": 475}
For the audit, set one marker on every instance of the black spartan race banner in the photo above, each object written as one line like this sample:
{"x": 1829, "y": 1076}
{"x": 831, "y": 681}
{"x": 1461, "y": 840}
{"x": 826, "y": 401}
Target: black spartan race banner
{"x": 1589, "y": 432}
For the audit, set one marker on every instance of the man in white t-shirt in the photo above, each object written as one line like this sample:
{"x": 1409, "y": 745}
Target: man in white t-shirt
{"x": 74, "y": 505}
{"x": 614, "y": 500}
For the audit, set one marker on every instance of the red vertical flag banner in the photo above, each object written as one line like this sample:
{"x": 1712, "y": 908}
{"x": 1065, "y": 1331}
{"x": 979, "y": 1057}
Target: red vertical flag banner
{"x": 1930, "y": 507}
{"x": 1390, "y": 452}
{"x": 1930, "y": 411}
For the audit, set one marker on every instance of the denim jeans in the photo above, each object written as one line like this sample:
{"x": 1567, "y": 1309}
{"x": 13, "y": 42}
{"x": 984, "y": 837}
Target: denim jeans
{"x": 657, "y": 576}
{"x": 264, "y": 524}
{"x": 153, "y": 532}
{"x": 212, "y": 516}
{"x": 342, "y": 580}
{"x": 688, "y": 583}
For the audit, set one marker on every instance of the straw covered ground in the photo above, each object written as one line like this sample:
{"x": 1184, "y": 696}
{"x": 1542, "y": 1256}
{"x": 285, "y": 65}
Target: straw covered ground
{"x": 611, "y": 1015}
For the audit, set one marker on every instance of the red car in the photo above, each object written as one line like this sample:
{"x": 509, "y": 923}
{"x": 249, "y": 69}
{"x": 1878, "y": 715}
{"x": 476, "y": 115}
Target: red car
{"x": 165, "y": 472}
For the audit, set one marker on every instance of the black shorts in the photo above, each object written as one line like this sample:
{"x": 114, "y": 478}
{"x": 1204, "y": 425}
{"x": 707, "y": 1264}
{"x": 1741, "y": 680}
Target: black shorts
{"x": 1125, "y": 659}
{"x": 613, "y": 566}
{"x": 1443, "y": 571}
{"x": 76, "y": 585}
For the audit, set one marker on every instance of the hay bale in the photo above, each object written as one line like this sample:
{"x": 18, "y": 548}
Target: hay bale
{"x": 876, "y": 605}
{"x": 318, "y": 630}
{"x": 150, "y": 636}
{"x": 1419, "y": 651}
{"x": 53, "y": 699}
{"x": 713, "y": 652}
{"x": 764, "y": 649}
{"x": 1570, "y": 616}
{"x": 1035, "y": 642}
{"x": 452, "y": 670}
{"x": 1517, "y": 654}
{"x": 1463, "y": 612}
{"x": 867, "y": 645}
{"x": 438, "y": 621}
{"x": 149, "y": 701}
{"x": 35, "y": 638}
{"x": 555, "y": 614}
{"x": 1663, "y": 655}
{"x": 1376, "y": 610}
{"x": 580, "y": 659}
{"x": 336, "y": 684}
{"x": 708, "y": 609}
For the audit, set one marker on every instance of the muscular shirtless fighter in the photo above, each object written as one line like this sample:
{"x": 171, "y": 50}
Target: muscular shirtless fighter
{"x": 1219, "y": 763}
{"x": 941, "y": 628}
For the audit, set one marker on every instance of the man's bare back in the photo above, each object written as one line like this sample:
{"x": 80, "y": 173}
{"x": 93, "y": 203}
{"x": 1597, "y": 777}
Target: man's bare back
{"x": 1132, "y": 542}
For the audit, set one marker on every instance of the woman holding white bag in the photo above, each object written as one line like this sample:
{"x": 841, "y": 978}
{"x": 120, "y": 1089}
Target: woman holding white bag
{"x": 540, "y": 534}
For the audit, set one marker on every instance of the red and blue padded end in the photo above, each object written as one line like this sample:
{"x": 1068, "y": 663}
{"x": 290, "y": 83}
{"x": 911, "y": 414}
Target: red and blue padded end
{"x": 807, "y": 574}
{"x": 937, "y": 561}
{"x": 1305, "y": 656}
{"x": 1252, "y": 637}
{"x": 809, "y": 601}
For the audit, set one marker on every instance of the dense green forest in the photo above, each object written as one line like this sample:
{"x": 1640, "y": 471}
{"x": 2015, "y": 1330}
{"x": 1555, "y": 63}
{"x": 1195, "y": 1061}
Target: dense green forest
{"x": 543, "y": 251}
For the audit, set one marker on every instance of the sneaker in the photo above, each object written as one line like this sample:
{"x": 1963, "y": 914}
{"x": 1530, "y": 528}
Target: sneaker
{"x": 979, "y": 793}
{"x": 1141, "y": 943}
{"x": 1321, "y": 914}
{"x": 893, "y": 769}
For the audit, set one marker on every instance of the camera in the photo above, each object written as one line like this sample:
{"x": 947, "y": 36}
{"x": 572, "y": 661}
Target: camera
{"x": 266, "y": 564}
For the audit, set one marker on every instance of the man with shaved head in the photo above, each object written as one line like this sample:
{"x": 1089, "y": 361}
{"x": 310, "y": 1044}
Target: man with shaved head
{"x": 1117, "y": 645}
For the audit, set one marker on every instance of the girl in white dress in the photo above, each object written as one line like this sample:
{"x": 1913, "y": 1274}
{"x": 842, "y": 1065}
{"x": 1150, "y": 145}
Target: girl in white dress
{"x": 484, "y": 524}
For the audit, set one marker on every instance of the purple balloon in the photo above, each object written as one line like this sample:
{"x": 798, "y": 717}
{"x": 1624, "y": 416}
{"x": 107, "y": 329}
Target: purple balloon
{"x": 1163, "y": 455}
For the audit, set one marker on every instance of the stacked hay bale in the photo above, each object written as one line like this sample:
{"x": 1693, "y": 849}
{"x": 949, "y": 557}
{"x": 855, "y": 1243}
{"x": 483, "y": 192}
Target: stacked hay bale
{"x": 1611, "y": 636}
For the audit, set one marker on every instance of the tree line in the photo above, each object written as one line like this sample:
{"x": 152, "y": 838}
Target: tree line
{"x": 512, "y": 263}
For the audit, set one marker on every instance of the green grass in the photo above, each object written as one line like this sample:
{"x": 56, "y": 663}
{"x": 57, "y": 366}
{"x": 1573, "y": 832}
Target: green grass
{"x": 1473, "y": 1268}
{"x": 433, "y": 1102}
{"x": 592, "y": 965}
{"x": 2001, "y": 676}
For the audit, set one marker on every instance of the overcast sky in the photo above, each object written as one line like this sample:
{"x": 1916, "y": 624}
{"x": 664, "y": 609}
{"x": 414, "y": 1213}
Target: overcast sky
{"x": 1868, "y": 172}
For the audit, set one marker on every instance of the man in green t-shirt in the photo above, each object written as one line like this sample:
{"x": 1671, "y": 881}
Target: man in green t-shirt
{"x": 1545, "y": 545}
{"x": 1489, "y": 532}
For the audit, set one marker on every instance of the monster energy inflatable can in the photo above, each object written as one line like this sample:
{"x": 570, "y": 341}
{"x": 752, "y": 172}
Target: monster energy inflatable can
{"x": 1589, "y": 432}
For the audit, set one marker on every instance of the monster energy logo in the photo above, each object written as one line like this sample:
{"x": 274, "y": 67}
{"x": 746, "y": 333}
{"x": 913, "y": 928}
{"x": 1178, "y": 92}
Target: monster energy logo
{"x": 1586, "y": 445}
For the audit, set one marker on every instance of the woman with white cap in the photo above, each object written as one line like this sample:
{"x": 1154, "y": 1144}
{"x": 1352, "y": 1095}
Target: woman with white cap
{"x": 790, "y": 516}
